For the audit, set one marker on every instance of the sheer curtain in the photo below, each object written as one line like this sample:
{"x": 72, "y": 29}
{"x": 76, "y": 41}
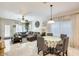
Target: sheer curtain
{"x": 61, "y": 27}
{"x": 67, "y": 25}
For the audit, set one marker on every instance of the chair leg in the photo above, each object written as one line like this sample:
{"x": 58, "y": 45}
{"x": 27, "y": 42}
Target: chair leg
{"x": 38, "y": 50}
{"x": 58, "y": 54}
{"x": 66, "y": 53}
{"x": 44, "y": 53}
{"x": 63, "y": 53}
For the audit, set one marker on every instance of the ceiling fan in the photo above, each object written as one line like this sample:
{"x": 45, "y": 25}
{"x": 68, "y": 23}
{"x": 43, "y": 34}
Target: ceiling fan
{"x": 23, "y": 20}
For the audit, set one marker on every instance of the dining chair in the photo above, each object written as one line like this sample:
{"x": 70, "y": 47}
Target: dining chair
{"x": 63, "y": 35}
{"x": 62, "y": 48}
{"x": 43, "y": 34}
{"x": 41, "y": 45}
{"x": 49, "y": 34}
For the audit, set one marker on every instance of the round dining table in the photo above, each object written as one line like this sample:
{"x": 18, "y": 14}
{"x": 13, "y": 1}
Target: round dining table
{"x": 51, "y": 41}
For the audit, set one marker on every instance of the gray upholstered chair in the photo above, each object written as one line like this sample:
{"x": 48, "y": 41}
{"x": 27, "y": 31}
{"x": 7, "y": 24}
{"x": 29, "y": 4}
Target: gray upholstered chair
{"x": 41, "y": 45}
{"x": 43, "y": 34}
{"x": 49, "y": 34}
{"x": 63, "y": 48}
{"x": 63, "y": 35}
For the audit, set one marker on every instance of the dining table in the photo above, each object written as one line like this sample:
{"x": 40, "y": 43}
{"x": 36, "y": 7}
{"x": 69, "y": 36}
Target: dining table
{"x": 52, "y": 41}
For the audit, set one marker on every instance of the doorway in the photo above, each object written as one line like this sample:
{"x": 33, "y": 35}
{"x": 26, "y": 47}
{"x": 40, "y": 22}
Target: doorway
{"x": 7, "y": 31}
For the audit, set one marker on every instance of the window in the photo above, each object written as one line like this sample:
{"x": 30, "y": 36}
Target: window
{"x": 18, "y": 28}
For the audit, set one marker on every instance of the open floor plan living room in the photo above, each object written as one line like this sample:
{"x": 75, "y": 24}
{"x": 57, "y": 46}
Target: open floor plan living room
{"x": 39, "y": 28}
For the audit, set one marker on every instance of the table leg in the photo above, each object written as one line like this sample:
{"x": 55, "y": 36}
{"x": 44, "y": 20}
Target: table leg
{"x": 49, "y": 49}
{"x": 52, "y": 50}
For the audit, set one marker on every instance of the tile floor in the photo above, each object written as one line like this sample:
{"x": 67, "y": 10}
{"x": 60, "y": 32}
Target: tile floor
{"x": 27, "y": 48}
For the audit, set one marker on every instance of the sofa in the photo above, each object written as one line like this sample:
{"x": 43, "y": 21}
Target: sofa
{"x": 16, "y": 38}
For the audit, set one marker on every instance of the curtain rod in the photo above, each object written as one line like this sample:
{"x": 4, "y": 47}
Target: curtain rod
{"x": 67, "y": 15}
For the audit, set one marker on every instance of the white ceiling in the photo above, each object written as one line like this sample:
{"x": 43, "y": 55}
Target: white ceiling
{"x": 17, "y": 9}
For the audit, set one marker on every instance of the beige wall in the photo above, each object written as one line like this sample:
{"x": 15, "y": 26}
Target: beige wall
{"x": 33, "y": 19}
{"x": 34, "y": 28}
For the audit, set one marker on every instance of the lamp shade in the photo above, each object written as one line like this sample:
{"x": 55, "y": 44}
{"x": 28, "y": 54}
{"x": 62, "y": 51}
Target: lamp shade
{"x": 51, "y": 22}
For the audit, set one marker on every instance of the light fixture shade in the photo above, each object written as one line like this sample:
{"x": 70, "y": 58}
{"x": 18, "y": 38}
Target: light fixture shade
{"x": 51, "y": 22}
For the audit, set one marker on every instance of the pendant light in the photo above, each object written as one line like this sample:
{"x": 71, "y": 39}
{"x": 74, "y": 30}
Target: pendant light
{"x": 51, "y": 20}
